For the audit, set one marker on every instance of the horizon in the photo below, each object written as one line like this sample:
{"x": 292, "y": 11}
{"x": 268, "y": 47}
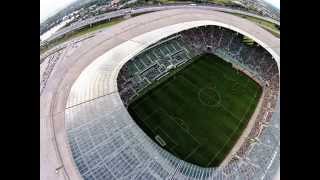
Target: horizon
{"x": 50, "y": 7}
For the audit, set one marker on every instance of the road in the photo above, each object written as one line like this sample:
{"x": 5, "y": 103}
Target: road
{"x": 133, "y": 11}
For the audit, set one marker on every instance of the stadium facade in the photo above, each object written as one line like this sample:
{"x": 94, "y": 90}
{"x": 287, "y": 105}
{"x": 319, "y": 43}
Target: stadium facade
{"x": 86, "y": 131}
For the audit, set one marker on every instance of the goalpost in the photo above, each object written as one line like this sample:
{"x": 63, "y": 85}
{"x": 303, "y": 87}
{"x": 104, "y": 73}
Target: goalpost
{"x": 160, "y": 140}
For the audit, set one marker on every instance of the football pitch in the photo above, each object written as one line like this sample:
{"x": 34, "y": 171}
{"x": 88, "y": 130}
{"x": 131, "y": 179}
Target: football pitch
{"x": 199, "y": 113}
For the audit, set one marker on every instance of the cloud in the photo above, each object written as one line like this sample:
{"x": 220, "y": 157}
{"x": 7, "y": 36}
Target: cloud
{"x": 49, "y": 7}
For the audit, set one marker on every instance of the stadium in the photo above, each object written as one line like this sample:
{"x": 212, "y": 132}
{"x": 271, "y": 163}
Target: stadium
{"x": 184, "y": 93}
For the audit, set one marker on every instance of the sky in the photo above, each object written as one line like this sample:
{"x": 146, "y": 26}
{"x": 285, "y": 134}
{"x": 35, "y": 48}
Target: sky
{"x": 276, "y": 3}
{"x": 49, "y": 7}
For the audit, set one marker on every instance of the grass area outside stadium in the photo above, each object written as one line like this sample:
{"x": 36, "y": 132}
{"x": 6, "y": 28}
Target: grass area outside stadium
{"x": 200, "y": 111}
{"x": 271, "y": 27}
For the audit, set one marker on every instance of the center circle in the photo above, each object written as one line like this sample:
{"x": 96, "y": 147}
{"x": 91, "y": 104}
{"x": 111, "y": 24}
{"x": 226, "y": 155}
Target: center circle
{"x": 209, "y": 97}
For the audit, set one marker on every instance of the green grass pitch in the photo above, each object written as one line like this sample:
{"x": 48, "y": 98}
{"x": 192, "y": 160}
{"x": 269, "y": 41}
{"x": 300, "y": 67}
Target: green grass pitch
{"x": 200, "y": 112}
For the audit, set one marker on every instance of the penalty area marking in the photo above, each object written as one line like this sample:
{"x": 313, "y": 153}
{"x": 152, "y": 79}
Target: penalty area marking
{"x": 181, "y": 122}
